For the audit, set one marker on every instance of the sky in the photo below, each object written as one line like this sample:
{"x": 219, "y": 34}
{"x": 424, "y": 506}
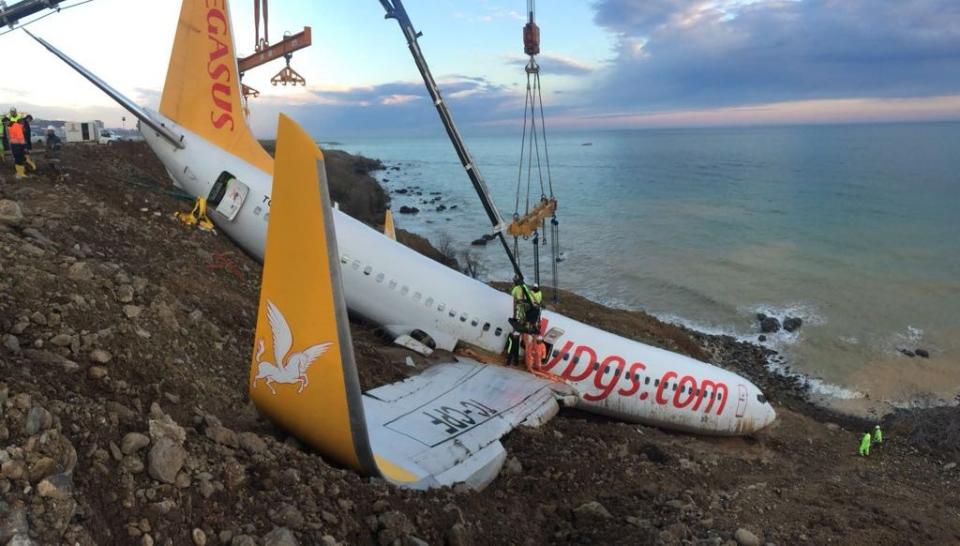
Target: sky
{"x": 606, "y": 64}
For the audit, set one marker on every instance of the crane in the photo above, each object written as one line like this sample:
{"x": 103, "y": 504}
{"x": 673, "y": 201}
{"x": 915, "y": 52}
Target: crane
{"x": 10, "y": 16}
{"x": 264, "y": 51}
{"x": 396, "y": 11}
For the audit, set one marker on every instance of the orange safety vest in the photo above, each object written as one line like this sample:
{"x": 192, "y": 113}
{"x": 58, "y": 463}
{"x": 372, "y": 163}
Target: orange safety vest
{"x": 15, "y": 133}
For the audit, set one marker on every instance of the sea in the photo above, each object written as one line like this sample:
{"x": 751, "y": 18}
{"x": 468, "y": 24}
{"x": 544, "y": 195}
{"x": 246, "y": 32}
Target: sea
{"x": 855, "y": 229}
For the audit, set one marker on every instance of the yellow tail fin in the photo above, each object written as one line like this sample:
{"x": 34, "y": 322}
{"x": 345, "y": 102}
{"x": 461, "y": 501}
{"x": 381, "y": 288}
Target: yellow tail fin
{"x": 388, "y": 228}
{"x": 202, "y": 91}
{"x": 303, "y": 375}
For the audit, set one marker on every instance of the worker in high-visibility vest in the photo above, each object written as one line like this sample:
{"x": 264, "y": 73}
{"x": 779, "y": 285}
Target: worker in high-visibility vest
{"x": 877, "y": 435}
{"x": 865, "y": 444}
{"x": 522, "y": 300}
{"x": 18, "y": 144}
{"x": 23, "y": 120}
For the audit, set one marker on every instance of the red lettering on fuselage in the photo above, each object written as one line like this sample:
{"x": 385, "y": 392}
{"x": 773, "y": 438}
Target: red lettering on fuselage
{"x": 221, "y": 76}
{"x": 688, "y": 392}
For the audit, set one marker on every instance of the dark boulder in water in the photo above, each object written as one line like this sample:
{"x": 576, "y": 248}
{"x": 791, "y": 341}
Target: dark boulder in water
{"x": 479, "y": 242}
{"x": 488, "y": 236}
{"x": 792, "y": 324}
{"x": 769, "y": 325}
{"x": 409, "y": 210}
{"x": 922, "y": 353}
{"x": 761, "y": 317}
{"x": 762, "y": 338}
{"x": 441, "y": 208}
{"x": 907, "y": 352}
{"x": 401, "y": 191}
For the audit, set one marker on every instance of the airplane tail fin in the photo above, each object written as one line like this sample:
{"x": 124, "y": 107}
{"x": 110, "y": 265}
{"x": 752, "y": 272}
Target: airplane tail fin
{"x": 388, "y": 228}
{"x": 303, "y": 374}
{"x": 202, "y": 90}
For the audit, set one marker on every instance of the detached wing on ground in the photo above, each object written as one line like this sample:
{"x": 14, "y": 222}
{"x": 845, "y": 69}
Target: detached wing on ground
{"x": 440, "y": 428}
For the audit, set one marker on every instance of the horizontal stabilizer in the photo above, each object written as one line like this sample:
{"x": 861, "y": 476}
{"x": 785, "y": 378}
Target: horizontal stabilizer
{"x": 444, "y": 426}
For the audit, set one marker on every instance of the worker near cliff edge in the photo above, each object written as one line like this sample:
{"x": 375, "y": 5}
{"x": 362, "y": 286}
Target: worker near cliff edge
{"x": 865, "y": 444}
{"x": 523, "y": 302}
{"x": 14, "y": 128}
{"x": 877, "y": 436}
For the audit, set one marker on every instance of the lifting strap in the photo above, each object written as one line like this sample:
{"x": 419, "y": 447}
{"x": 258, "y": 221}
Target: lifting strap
{"x": 196, "y": 217}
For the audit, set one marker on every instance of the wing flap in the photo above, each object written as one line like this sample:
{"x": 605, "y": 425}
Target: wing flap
{"x": 444, "y": 425}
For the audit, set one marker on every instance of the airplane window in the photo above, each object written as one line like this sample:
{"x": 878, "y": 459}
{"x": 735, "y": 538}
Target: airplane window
{"x": 441, "y": 307}
{"x": 656, "y": 382}
{"x": 429, "y": 302}
{"x": 719, "y": 396}
{"x": 617, "y": 373}
{"x": 674, "y": 386}
{"x": 486, "y": 326}
{"x": 637, "y": 377}
{"x": 356, "y": 264}
{"x": 498, "y": 331}
{"x": 646, "y": 381}
{"x": 344, "y": 260}
{"x": 393, "y": 284}
{"x": 417, "y": 296}
{"x": 453, "y": 312}
{"x": 380, "y": 277}
{"x": 405, "y": 290}
{"x": 555, "y": 353}
{"x": 463, "y": 317}
{"x": 566, "y": 356}
{"x": 368, "y": 270}
{"x": 576, "y": 360}
{"x": 474, "y": 323}
{"x": 762, "y": 399}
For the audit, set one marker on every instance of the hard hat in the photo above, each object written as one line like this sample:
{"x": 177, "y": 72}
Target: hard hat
{"x": 13, "y": 109}
{"x": 51, "y": 128}
{"x": 536, "y": 286}
{"x": 878, "y": 426}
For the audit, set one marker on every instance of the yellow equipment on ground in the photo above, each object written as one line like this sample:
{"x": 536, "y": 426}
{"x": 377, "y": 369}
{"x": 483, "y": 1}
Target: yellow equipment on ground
{"x": 196, "y": 217}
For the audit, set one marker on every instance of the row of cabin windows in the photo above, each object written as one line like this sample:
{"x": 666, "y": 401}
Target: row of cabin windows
{"x": 417, "y": 296}
{"x": 646, "y": 379}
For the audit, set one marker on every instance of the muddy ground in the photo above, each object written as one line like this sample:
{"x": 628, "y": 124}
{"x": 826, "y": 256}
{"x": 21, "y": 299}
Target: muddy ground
{"x": 124, "y": 419}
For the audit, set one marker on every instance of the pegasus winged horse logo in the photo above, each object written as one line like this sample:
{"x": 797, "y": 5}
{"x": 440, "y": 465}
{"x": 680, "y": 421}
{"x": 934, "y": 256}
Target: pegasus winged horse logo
{"x": 294, "y": 368}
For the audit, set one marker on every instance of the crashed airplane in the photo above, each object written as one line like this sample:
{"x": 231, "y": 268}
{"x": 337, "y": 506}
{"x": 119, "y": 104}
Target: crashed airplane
{"x": 438, "y": 428}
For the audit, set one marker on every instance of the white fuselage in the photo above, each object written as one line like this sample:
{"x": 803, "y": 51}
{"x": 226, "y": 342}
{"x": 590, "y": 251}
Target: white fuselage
{"x": 403, "y": 291}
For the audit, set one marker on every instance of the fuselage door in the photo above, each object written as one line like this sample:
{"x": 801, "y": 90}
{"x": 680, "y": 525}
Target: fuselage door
{"x": 741, "y": 400}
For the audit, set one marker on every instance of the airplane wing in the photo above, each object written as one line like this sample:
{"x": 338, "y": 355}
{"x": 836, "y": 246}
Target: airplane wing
{"x": 443, "y": 426}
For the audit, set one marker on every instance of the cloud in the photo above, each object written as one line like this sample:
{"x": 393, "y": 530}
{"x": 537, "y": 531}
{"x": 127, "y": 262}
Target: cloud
{"x": 708, "y": 53}
{"x": 392, "y": 108}
{"x": 554, "y": 64}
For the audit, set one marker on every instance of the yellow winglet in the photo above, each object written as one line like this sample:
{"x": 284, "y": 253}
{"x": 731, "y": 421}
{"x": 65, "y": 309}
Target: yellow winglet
{"x": 302, "y": 374}
{"x": 388, "y": 229}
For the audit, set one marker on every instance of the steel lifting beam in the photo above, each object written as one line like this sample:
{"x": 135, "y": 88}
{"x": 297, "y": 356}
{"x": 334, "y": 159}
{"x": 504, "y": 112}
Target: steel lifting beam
{"x": 280, "y": 49}
{"x": 395, "y": 10}
{"x": 11, "y": 15}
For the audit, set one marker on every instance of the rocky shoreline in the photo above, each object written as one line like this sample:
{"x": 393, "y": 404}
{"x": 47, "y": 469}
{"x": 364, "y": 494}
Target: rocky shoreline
{"x": 124, "y": 354}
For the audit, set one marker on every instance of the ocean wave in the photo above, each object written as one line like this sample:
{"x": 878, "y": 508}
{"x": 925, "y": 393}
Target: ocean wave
{"x": 779, "y": 365}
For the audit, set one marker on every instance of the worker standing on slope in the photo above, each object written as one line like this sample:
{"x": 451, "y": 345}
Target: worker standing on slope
{"x": 865, "y": 444}
{"x": 877, "y": 436}
{"x": 15, "y": 118}
{"x": 18, "y": 144}
{"x": 522, "y": 302}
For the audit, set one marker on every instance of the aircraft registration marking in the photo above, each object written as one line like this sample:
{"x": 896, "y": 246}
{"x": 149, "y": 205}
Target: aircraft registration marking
{"x": 439, "y": 421}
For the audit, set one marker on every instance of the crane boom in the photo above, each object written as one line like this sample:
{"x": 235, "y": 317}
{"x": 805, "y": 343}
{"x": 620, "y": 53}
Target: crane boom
{"x": 395, "y": 10}
{"x": 10, "y": 16}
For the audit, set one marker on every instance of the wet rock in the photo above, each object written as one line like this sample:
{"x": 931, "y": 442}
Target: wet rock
{"x": 761, "y": 338}
{"x": 10, "y": 213}
{"x": 746, "y": 538}
{"x": 11, "y": 343}
{"x": 479, "y": 242}
{"x": 769, "y": 325}
{"x": 409, "y": 210}
{"x": 134, "y": 442}
{"x": 100, "y": 356}
{"x": 907, "y": 352}
{"x": 792, "y": 324}
{"x": 165, "y": 460}
{"x": 280, "y": 536}
{"x": 252, "y": 443}
{"x": 513, "y": 467}
{"x": 97, "y": 372}
{"x": 37, "y": 419}
{"x": 949, "y": 466}
{"x": 590, "y": 511}
{"x": 80, "y": 271}
{"x": 923, "y": 353}
{"x": 57, "y": 486}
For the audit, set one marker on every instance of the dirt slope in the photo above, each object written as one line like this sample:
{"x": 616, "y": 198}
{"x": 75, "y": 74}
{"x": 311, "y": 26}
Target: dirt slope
{"x": 124, "y": 350}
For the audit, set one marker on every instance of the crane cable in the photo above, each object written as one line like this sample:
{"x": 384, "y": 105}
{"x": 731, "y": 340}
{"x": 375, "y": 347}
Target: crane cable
{"x": 531, "y": 157}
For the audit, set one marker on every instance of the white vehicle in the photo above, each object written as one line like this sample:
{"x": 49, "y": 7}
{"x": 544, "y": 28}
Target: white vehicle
{"x": 452, "y": 416}
{"x": 107, "y": 137}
